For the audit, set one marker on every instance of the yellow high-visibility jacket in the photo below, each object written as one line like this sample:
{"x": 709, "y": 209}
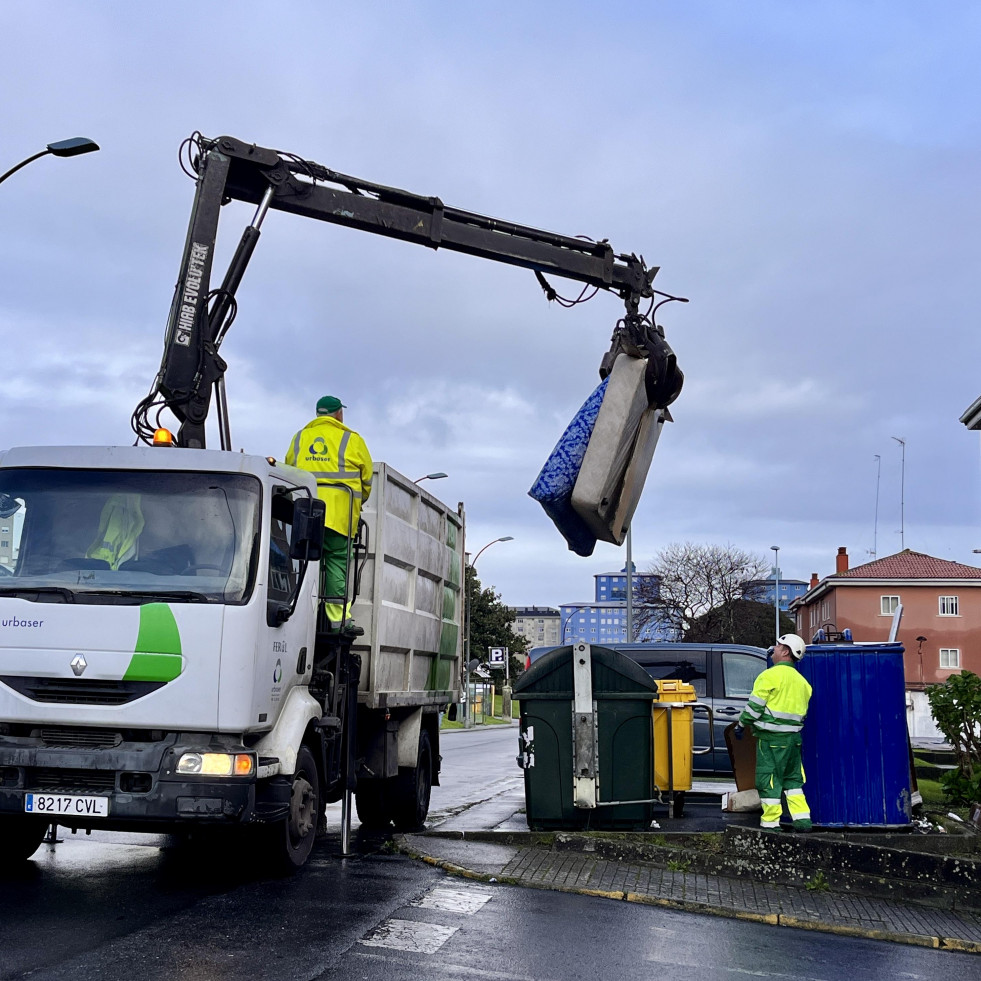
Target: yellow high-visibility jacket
{"x": 779, "y": 702}
{"x": 119, "y": 529}
{"x": 338, "y": 457}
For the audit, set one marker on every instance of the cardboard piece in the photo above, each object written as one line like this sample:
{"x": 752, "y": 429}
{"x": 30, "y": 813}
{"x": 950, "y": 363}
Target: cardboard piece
{"x": 742, "y": 755}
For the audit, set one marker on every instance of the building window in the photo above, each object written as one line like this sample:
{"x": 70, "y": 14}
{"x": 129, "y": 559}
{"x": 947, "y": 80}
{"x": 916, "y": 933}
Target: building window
{"x": 888, "y": 605}
{"x": 950, "y": 657}
{"x": 948, "y": 606}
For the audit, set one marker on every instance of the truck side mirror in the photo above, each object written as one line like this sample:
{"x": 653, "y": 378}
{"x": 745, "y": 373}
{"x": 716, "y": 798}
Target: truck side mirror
{"x": 307, "y": 535}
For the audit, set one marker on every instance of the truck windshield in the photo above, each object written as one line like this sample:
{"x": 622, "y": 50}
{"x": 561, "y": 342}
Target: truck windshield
{"x": 90, "y": 536}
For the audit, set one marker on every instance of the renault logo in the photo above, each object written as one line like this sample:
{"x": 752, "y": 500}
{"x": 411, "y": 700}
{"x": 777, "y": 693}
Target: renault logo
{"x": 79, "y": 664}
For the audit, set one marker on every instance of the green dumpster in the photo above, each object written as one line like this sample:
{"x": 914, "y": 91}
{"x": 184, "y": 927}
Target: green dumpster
{"x": 585, "y": 740}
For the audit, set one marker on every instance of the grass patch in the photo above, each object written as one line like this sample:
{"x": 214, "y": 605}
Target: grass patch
{"x": 499, "y": 708}
{"x": 931, "y": 792}
{"x": 479, "y": 721}
{"x": 491, "y": 721}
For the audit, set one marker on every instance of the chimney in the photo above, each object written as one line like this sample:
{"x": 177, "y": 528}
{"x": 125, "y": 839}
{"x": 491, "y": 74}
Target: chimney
{"x": 841, "y": 561}
{"x": 814, "y": 580}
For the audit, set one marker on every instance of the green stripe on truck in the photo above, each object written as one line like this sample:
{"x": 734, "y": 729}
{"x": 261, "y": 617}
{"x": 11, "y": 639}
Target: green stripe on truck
{"x": 158, "y": 646}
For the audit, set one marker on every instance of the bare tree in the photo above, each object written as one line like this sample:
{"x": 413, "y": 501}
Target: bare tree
{"x": 689, "y": 580}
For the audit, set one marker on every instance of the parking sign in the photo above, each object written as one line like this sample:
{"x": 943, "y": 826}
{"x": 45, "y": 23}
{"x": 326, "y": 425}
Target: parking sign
{"x": 496, "y": 656}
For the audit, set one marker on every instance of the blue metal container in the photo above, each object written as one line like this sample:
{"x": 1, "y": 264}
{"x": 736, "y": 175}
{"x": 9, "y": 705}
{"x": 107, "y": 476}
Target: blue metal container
{"x": 855, "y": 743}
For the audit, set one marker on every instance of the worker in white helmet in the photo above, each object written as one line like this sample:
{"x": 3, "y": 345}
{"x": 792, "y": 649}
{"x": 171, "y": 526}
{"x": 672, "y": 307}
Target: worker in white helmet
{"x": 775, "y": 714}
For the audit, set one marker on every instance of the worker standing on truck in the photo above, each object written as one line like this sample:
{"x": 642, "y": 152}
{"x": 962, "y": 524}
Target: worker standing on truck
{"x": 338, "y": 457}
{"x": 775, "y": 714}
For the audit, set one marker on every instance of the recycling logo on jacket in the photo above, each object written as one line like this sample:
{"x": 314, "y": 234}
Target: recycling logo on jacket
{"x": 319, "y": 447}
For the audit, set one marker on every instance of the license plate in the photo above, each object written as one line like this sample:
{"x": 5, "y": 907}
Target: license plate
{"x": 66, "y": 804}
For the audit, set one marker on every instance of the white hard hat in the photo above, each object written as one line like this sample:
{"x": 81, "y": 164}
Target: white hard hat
{"x": 795, "y": 643}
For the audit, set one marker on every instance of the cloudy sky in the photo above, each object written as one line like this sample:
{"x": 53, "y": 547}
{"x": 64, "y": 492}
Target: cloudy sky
{"x": 806, "y": 173}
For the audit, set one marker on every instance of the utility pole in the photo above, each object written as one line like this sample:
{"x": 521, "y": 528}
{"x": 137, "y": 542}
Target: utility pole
{"x": 630, "y": 590}
{"x": 776, "y": 588}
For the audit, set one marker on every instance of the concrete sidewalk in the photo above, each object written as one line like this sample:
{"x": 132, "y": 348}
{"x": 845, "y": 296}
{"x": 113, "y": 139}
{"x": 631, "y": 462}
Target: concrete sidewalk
{"x": 572, "y": 863}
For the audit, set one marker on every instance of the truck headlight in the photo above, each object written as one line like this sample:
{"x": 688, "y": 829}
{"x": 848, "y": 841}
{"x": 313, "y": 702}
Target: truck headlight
{"x": 217, "y": 764}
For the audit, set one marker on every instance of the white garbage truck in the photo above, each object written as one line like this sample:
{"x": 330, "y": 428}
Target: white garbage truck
{"x": 161, "y": 665}
{"x": 166, "y": 663}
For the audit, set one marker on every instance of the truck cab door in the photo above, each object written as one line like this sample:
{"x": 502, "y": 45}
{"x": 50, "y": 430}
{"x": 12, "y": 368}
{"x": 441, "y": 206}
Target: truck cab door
{"x": 285, "y": 654}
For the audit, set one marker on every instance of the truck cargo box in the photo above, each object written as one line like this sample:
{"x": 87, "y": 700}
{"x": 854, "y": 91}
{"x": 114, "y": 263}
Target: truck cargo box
{"x": 410, "y": 603}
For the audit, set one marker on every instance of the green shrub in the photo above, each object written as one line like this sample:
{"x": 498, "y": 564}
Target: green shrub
{"x": 956, "y": 708}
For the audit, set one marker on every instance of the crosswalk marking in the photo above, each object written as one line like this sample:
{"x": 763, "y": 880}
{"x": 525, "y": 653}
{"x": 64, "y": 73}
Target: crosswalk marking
{"x": 424, "y": 938}
{"x": 466, "y": 901}
{"x": 427, "y": 938}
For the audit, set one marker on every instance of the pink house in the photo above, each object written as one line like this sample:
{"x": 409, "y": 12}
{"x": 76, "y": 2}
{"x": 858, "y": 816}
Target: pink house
{"x": 941, "y": 601}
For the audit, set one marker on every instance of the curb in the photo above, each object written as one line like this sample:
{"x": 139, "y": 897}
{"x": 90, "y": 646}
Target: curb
{"x": 692, "y": 906}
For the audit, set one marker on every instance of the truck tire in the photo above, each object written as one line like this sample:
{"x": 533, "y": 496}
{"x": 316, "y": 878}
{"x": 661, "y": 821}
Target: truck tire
{"x": 20, "y": 837}
{"x": 413, "y": 788}
{"x": 372, "y": 801}
{"x": 292, "y": 837}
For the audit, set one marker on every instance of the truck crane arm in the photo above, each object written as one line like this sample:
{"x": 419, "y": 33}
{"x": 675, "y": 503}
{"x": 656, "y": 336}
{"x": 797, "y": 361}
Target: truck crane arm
{"x": 227, "y": 169}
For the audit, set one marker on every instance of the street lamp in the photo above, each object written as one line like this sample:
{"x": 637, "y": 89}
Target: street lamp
{"x": 430, "y": 476}
{"x": 920, "y": 641}
{"x": 64, "y": 148}
{"x": 568, "y": 619}
{"x": 466, "y": 660}
{"x": 776, "y": 587}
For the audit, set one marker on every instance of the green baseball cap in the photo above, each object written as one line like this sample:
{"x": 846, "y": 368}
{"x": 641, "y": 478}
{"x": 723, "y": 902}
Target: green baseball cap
{"x": 329, "y": 404}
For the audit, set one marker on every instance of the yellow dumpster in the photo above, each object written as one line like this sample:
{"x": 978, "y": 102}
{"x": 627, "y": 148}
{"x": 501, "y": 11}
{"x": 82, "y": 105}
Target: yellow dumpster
{"x": 678, "y": 737}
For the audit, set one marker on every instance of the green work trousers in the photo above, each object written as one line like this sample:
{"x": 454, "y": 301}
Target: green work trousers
{"x": 333, "y": 564}
{"x": 779, "y": 771}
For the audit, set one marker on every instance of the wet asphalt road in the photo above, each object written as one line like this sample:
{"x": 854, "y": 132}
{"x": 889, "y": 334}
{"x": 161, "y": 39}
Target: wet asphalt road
{"x": 123, "y": 907}
{"x": 154, "y": 915}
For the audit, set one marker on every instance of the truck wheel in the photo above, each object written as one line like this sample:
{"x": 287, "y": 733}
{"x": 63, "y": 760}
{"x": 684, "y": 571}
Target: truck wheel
{"x": 372, "y": 801}
{"x": 293, "y": 836}
{"x": 20, "y": 837}
{"x": 413, "y": 789}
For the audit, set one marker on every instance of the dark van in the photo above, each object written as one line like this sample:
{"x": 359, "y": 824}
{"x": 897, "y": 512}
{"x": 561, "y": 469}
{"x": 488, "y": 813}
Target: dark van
{"x": 721, "y": 674}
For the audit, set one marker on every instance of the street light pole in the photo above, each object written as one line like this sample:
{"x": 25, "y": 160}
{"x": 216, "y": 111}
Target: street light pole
{"x": 466, "y": 597}
{"x": 430, "y": 476}
{"x": 630, "y": 590}
{"x": 776, "y": 587}
{"x": 64, "y": 148}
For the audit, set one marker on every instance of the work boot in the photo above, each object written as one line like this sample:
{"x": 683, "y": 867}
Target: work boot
{"x": 803, "y": 826}
{"x": 351, "y": 629}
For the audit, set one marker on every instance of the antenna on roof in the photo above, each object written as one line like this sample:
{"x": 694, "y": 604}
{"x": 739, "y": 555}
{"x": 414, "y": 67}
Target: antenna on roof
{"x": 875, "y": 526}
{"x": 902, "y": 496}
